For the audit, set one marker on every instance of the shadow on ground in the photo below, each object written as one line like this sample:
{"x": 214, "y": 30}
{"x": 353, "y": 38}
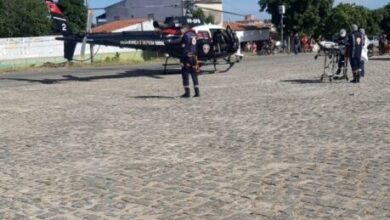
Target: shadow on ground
{"x": 302, "y": 81}
{"x": 380, "y": 58}
{"x": 156, "y": 74}
{"x": 155, "y": 97}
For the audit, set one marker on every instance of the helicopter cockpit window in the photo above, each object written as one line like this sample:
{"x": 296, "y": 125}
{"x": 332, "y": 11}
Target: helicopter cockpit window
{"x": 203, "y": 35}
{"x": 173, "y": 22}
{"x": 213, "y": 31}
{"x": 220, "y": 40}
{"x": 219, "y": 36}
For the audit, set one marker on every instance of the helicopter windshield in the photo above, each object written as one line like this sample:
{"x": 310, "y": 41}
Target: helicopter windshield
{"x": 213, "y": 31}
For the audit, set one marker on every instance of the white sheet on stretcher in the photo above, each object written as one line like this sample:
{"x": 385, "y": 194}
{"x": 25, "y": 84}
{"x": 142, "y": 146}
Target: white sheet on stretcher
{"x": 326, "y": 44}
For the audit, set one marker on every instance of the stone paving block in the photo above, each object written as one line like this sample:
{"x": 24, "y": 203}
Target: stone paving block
{"x": 266, "y": 140}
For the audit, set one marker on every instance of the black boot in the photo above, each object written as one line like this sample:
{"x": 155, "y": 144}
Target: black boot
{"x": 358, "y": 77}
{"x": 187, "y": 93}
{"x": 354, "y": 80}
{"x": 337, "y": 75}
{"x": 197, "y": 92}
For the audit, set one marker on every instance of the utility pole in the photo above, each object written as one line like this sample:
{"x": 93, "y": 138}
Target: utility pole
{"x": 182, "y": 7}
{"x": 282, "y": 11}
{"x": 87, "y": 29}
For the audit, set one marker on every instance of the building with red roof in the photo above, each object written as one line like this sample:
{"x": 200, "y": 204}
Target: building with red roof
{"x": 125, "y": 25}
{"x": 250, "y": 30}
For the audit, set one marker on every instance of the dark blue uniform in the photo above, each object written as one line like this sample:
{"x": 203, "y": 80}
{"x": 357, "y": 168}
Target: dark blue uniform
{"x": 189, "y": 61}
{"x": 296, "y": 44}
{"x": 342, "y": 42}
{"x": 355, "y": 47}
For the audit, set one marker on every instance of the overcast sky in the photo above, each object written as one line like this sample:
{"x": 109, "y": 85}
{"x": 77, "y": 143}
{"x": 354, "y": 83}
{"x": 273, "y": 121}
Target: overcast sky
{"x": 250, "y": 6}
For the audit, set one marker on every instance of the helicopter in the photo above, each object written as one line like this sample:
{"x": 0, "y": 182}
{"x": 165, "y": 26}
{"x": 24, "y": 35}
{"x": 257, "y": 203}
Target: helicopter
{"x": 214, "y": 43}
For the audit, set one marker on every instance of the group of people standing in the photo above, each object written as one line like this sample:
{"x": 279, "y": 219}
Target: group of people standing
{"x": 302, "y": 44}
{"x": 354, "y": 47}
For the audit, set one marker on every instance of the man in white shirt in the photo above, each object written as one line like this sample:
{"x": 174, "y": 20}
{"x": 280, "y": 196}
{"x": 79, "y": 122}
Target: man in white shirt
{"x": 365, "y": 51}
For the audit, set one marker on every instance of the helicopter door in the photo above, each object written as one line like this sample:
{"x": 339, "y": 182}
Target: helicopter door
{"x": 219, "y": 41}
{"x": 234, "y": 42}
{"x": 204, "y": 44}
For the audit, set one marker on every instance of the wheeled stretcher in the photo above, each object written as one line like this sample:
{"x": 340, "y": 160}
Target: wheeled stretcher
{"x": 333, "y": 64}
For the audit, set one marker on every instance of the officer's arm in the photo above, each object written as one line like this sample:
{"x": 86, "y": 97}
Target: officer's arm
{"x": 183, "y": 41}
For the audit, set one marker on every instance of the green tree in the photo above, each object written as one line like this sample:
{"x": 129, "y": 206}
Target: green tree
{"x": 75, "y": 12}
{"x": 2, "y": 19}
{"x": 199, "y": 13}
{"x": 23, "y": 18}
{"x": 304, "y": 16}
{"x": 374, "y": 19}
{"x": 385, "y": 22}
{"x": 344, "y": 15}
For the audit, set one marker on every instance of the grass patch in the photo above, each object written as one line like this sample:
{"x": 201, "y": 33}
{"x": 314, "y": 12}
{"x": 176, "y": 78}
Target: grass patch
{"x": 108, "y": 59}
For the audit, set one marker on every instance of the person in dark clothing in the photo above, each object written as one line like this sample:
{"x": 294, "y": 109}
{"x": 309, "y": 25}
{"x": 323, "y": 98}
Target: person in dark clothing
{"x": 382, "y": 44}
{"x": 189, "y": 62}
{"x": 342, "y": 42}
{"x": 296, "y": 43}
{"x": 355, "y": 47}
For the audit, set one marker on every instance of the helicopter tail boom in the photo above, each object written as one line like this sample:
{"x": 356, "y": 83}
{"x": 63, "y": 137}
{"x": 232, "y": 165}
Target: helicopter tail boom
{"x": 70, "y": 40}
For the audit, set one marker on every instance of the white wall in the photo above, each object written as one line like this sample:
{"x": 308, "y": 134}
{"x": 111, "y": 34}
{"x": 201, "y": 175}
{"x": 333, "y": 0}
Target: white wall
{"x": 160, "y": 10}
{"x": 142, "y": 8}
{"x": 160, "y": 13}
{"x": 217, "y": 15}
{"x": 119, "y": 10}
{"x": 41, "y": 47}
{"x": 145, "y": 26}
{"x": 253, "y": 35}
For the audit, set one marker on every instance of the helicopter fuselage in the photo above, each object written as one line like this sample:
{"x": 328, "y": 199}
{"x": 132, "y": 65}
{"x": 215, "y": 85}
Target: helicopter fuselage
{"x": 214, "y": 42}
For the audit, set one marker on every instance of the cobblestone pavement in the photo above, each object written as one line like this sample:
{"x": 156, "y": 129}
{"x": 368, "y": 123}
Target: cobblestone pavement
{"x": 265, "y": 141}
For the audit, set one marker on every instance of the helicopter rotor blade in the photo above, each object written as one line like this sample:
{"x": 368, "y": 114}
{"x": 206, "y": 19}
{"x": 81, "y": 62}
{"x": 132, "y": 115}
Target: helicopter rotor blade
{"x": 225, "y": 12}
{"x": 160, "y": 6}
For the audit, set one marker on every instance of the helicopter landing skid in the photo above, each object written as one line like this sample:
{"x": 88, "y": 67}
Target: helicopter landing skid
{"x": 215, "y": 63}
{"x": 166, "y": 64}
{"x": 227, "y": 61}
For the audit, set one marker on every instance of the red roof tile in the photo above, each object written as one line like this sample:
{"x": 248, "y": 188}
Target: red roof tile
{"x": 241, "y": 26}
{"x": 116, "y": 25}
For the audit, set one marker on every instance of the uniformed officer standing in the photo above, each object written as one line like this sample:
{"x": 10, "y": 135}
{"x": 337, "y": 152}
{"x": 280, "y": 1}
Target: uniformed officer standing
{"x": 189, "y": 62}
{"x": 342, "y": 42}
{"x": 355, "y": 47}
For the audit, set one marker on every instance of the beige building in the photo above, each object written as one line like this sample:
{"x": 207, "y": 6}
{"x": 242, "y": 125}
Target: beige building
{"x": 212, "y": 4}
